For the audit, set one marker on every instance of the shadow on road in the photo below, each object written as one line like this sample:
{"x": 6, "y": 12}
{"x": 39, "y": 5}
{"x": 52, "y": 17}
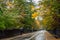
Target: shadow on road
{"x": 55, "y": 33}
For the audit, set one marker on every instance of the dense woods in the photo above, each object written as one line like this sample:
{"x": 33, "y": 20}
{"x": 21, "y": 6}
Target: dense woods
{"x": 16, "y": 14}
{"x": 21, "y": 14}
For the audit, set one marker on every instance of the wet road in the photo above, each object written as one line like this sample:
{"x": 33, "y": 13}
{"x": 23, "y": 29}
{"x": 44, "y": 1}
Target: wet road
{"x": 39, "y": 35}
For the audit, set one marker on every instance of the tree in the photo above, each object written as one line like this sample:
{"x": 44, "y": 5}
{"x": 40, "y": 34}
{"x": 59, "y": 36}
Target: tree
{"x": 51, "y": 8}
{"x": 16, "y": 15}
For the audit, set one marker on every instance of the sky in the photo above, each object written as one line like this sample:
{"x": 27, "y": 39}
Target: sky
{"x": 36, "y": 1}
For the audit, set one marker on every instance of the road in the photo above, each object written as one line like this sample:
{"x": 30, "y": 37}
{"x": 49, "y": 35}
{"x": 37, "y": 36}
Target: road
{"x": 42, "y": 35}
{"x": 39, "y": 35}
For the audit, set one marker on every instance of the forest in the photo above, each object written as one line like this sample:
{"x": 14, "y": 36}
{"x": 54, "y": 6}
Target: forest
{"x": 21, "y": 14}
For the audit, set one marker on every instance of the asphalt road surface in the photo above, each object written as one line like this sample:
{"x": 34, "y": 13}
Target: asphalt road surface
{"x": 39, "y": 35}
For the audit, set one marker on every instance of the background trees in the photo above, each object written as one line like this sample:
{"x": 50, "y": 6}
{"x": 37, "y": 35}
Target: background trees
{"x": 16, "y": 14}
{"x": 51, "y": 14}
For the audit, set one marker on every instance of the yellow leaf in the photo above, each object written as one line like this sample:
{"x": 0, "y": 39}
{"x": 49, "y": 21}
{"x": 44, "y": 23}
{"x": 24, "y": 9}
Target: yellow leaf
{"x": 34, "y": 15}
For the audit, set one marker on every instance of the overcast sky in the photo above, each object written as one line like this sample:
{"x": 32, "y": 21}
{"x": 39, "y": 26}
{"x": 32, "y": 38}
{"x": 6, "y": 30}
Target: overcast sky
{"x": 36, "y": 1}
